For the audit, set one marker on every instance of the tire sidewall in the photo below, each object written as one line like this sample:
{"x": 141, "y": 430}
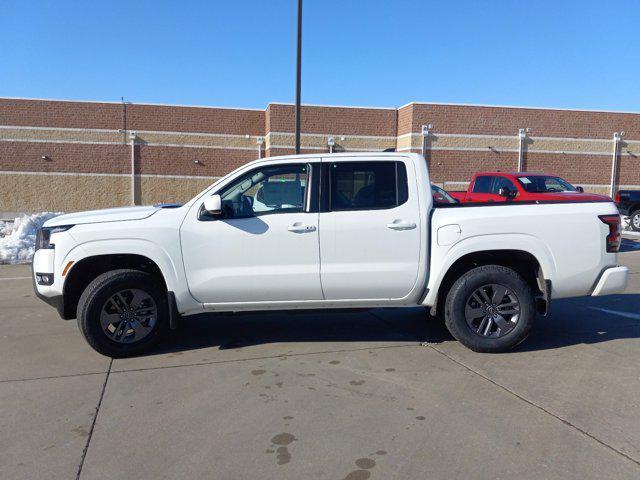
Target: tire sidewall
{"x": 90, "y": 309}
{"x": 633, "y": 215}
{"x": 471, "y": 281}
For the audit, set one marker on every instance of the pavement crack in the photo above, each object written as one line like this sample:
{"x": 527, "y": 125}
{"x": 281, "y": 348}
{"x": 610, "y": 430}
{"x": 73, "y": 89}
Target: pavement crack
{"x": 50, "y": 377}
{"x": 535, "y": 405}
{"x": 93, "y": 422}
{"x": 265, "y": 357}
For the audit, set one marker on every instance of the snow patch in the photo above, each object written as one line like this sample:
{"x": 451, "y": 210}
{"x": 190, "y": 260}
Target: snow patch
{"x": 18, "y": 238}
{"x": 626, "y": 225}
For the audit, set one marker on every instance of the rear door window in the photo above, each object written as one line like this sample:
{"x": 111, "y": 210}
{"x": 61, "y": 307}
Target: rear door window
{"x": 483, "y": 184}
{"x": 367, "y": 185}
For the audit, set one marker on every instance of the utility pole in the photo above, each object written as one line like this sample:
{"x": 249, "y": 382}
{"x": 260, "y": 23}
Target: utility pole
{"x": 298, "y": 75}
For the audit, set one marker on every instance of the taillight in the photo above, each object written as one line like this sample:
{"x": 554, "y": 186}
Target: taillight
{"x": 615, "y": 237}
{"x": 617, "y": 197}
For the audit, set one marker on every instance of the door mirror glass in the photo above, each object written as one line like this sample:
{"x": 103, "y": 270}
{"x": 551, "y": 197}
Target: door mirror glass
{"x": 580, "y": 189}
{"x": 213, "y": 205}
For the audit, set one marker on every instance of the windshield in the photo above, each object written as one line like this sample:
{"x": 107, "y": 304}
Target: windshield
{"x": 545, "y": 184}
{"x": 441, "y": 196}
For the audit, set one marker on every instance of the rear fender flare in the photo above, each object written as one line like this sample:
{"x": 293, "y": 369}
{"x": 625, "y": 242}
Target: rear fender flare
{"x": 492, "y": 242}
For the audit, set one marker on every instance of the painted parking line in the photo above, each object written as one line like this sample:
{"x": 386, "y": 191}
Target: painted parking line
{"x": 634, "y": 316}
{"x": 16, "y": 278}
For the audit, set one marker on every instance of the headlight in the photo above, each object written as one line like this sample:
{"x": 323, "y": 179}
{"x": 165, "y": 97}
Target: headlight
{"x": 43, "y": 236}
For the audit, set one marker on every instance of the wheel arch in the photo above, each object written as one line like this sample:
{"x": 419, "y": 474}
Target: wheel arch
{"x": 535, "y": 272}
{"x": 90, "y": 259}
{"x": 88, "y": 268}
{"x": 634, "y": 207}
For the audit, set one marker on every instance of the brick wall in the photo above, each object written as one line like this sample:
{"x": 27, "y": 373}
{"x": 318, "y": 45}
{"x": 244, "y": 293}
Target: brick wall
{"x": 179, "y": 149}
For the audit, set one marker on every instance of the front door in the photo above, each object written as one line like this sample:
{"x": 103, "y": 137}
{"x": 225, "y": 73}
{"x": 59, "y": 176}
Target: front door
{"x": 369, "y": 230}
{"x": 264, "y": 248}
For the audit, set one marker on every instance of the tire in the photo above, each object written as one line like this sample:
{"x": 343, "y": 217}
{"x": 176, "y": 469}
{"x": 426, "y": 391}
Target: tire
{"x": 463, "y": 316}
{"x": 634, "y": 221}
{"x": 106, "y": 298}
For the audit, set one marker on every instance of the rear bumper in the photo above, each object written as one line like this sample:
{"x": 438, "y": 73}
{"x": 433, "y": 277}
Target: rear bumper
{"x": 613, "y": 280}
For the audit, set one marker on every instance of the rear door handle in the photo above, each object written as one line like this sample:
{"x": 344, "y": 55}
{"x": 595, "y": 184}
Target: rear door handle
{"x": 401, "y": 225}
{"x": 300, "y": 227}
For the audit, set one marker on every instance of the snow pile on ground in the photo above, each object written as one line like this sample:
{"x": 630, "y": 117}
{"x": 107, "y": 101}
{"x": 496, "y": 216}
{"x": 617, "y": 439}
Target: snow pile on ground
{"x": 626, "y": 227}
{"x": 18, "y": 238}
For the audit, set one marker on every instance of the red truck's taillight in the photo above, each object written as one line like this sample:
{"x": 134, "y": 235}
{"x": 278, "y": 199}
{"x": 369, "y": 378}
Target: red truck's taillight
{"x": 615, "y": 236}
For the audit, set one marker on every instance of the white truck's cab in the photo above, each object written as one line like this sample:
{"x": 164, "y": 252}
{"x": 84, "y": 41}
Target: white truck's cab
{"x": 323, "y": 231}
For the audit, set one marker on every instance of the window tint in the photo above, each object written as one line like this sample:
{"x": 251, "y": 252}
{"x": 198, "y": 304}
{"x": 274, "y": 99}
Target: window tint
{"x": 502, "y": 182}
{"x": 268, "y": 190}
{"x": 482, "y": 184}
{"x": 368, "y": 185}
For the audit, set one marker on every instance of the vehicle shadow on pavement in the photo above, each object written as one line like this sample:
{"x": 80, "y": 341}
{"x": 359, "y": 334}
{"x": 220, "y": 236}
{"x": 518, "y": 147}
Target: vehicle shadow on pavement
{"x": 629, "y": 245}
{"x": 229, "y": 331}
{"x": 586, "y": 320}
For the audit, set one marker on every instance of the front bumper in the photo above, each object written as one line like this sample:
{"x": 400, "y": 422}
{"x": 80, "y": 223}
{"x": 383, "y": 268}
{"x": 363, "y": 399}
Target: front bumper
{"x": 613, "y": 280}
{"x": 56, "y": 301}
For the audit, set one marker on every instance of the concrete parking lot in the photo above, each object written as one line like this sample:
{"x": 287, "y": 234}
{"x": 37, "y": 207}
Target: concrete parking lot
{"x": 383, "y": 394}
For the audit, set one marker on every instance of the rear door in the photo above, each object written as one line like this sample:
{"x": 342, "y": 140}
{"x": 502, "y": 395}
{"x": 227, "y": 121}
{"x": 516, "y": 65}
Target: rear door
{"x": 369, "y": 229}
{"x": 481, "y": 189}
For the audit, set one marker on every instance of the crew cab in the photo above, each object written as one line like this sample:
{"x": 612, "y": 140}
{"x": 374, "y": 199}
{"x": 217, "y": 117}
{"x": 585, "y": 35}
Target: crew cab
{"x": 522, "y": 187}
{"x": 628, "y": 202}
{"x": 347, "y": 230}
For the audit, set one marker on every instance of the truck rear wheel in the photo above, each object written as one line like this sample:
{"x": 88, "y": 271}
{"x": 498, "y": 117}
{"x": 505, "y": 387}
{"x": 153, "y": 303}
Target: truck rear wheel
{"x": 634, "y": 220}
{"x": 490, "y": 309}
{"x": 123, "y": 313}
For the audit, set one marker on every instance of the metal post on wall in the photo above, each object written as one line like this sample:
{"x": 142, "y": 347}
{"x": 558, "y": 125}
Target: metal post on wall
{"x": 259, "y": 142}
{"x": 426, "y": 131}
{"x": 298, "y": 75}
{"x": 132, "y": 137}
{"x": 331, "y": 143}
{"x": 617, "y": 137}
{"x": 522, "y": 136}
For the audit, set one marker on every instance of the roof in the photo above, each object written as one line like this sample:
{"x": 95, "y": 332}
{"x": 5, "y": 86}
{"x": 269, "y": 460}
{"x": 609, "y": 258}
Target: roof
{"x": 519, "y": 174}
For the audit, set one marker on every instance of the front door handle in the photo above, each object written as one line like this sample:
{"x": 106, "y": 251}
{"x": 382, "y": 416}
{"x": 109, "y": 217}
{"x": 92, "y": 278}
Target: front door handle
{"x": 401, "y": 225}
{"x": 300, "y": 227}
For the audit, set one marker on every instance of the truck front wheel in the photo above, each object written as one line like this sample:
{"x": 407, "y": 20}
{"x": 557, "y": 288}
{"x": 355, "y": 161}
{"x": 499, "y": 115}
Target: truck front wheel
{"x": 123, "y": 313}
{"x": 490, "y": 309}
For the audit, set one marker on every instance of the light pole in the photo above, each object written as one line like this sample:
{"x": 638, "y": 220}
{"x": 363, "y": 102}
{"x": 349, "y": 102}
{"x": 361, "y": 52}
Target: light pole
{"x": 298, "y": 75}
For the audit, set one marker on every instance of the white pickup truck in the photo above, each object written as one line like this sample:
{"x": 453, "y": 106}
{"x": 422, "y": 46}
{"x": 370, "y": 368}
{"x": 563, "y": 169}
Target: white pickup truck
{"x": 349, "y": 230}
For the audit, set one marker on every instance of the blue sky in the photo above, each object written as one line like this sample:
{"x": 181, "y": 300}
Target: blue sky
{"x": 573, "y": 54}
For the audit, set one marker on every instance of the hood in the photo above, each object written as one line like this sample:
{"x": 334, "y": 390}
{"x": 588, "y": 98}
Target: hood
{"x": 98, "y": 216}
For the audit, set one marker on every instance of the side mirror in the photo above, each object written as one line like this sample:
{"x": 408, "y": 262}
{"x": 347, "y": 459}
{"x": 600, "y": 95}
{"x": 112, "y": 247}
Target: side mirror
{"x": 506, "y": 193}
{"x": 580, "y": 189}
{"x": 213, "y": 205}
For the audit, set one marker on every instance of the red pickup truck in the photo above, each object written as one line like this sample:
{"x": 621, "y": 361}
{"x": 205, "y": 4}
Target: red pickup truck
{"x": 522, "y": 187}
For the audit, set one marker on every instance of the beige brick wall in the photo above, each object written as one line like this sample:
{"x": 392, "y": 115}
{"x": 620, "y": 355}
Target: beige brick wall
{"x": 179, "y": 150}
